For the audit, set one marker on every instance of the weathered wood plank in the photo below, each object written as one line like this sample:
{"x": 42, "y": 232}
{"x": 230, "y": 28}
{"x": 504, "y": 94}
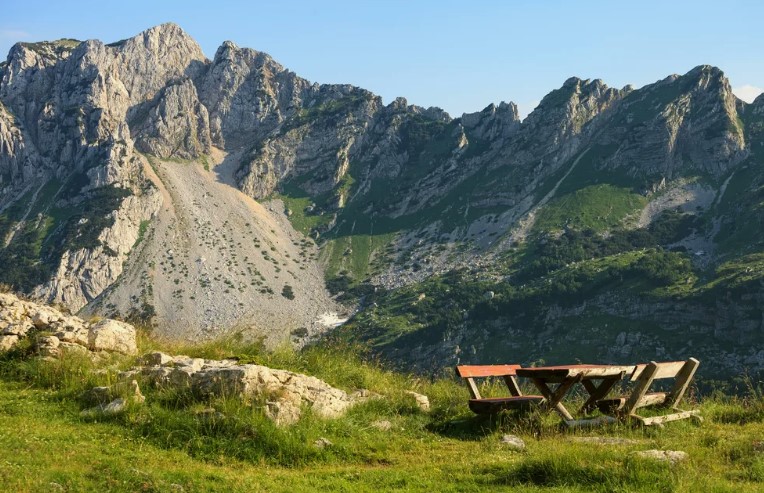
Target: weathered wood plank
{"x": 473, "y": 388}
{"x": 558, "y": 374}
{"x": 511, "y": 382}
{"x": 553, "y": 397}
{"x": 481, "y": 371}
{"x": 646, "y": 378}
{"x": 665, "y": 370}
{"x": 652, "y": 399}
{"x": 591, "y": 423}
{"x": 598, "y": 392}
{"x": 683, "y": 379}
{"x": 609, "y": 406}
{"x": 658, "y": 420}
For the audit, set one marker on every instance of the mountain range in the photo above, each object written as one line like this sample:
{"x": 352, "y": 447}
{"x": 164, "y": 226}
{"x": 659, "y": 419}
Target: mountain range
{"x": 141, "y": 180}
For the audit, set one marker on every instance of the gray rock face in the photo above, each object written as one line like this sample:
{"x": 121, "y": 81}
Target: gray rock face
{"x": 681, "y": 123}
{"x": 147, "y": 62}
{"x": 247, "y": 95}
{"x": 177, "y": 126}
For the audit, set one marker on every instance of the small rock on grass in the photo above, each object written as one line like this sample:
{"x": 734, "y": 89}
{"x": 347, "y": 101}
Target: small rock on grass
{"x": 671, "y": 456}
{"x": 422, "y": 401}
{"x": 382, "y": 425}
{"x": 605, "y": 440}
{"x": 322, "y": 443}
{"x": 513, "y": 442}
{"x": 116, "y": 406}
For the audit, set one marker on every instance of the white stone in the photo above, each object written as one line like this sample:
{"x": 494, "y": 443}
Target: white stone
{"x": 47, "y": 346}
{"x": 671, "y": 456}
{"x": 8, "y": 342}
{"x": 422, "y": 401}
{"x": 156, "y": 358}
{"x": 513, "y": 442}
{"x": 382, "y": 425}
{"x": 112, "y": 335}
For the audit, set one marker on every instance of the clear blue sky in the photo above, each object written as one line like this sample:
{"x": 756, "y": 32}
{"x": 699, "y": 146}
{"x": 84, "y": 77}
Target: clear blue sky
{"x": 458, "y": 55}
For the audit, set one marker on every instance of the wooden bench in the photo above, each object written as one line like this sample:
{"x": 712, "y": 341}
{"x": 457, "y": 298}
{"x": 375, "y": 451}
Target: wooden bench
{"x": 488, "y": 405}
{"x": 644, "y": 375}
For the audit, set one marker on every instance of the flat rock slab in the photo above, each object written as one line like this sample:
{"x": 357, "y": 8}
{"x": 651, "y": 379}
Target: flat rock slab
{"x": 671, "y": 456}
{"x": 513, "y": 442}
{"x": 605, "y": 440}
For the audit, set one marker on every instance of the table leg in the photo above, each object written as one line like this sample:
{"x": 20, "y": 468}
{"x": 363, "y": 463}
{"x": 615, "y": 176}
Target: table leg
{"x": 553, "y": 398}
{"x": 597, "y": 392}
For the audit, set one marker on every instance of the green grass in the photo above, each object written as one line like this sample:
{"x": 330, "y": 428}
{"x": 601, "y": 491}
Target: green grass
{"x": 353, "y": 254}
{"x": 297, "y": 202}
{"x": 164, "y": 445}
{"x": 142, "y": 228}
{"x": 597, "y": 207}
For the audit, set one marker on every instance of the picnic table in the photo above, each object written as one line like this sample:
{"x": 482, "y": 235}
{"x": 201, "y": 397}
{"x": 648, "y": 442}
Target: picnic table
{"x": 597, "y": 380}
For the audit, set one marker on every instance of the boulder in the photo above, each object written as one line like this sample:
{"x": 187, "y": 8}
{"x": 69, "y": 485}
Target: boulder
{"x": 422, "y": 401}
{"x": 8, "y": 342}
{"x": 322, "y": 443}
{"x": 18, "y": 328}
{"x": 47, "y": 346}
{"x": 70, "y": 347}
{"x": 112, "y": 335}
{"x": 157, "y": 358}
{"x": 43, "y": 316}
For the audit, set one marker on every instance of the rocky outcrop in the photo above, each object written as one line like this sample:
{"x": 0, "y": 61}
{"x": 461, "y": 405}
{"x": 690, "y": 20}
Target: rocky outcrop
{"x": 681, "y": 124}
{"x": 21, "y": 319}
{"x": 83, "y": 274}
{"x": 322, "y": 139}
{"x": 177, "y": 126}
{"x": 18, "y": 163}
{"x": 284, "y": 393}
{"x": 248, "y": 94}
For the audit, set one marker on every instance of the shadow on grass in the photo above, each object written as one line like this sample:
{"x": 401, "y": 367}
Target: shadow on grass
{"x": 477, "y": 427}
{"x": 596, "y": 472}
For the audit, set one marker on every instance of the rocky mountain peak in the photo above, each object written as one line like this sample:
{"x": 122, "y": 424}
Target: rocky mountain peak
{"x": 492, "y": 121}
{"x": 146, "y": 62}
{"x": 758, "y": 104}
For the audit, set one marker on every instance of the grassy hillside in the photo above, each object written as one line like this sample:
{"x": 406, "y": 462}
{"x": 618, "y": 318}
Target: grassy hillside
{"x": 169, "y": 444}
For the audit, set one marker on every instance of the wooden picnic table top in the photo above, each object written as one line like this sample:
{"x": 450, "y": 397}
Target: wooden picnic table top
{"x": 559, "y": 373}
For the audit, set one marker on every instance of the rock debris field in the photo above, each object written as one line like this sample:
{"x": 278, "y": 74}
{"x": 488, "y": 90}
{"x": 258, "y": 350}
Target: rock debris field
{"x": 214, "y": 261}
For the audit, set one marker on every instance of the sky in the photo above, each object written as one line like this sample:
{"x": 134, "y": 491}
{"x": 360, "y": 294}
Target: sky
{"x": 457, "y": 55}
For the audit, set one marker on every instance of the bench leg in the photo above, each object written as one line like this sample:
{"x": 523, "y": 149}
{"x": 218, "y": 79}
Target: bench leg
{"x": 597, "y": 392}
{"x": 553, "y": 398}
